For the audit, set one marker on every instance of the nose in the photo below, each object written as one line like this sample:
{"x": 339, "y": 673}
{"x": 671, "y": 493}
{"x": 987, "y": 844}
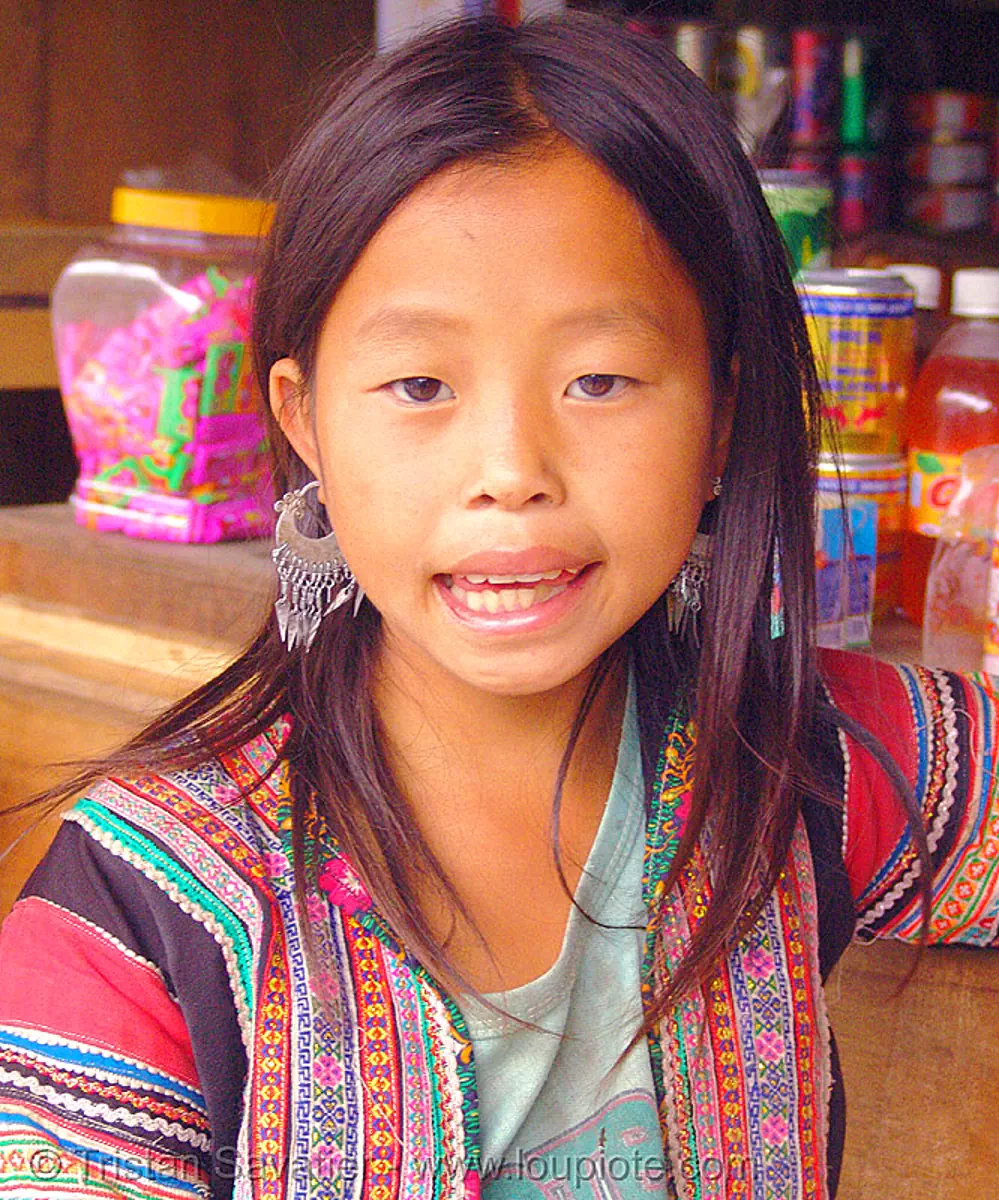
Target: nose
{"x": 515, "y": 458}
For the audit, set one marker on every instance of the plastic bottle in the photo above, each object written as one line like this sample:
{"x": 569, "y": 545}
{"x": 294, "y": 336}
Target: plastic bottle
{"x": 931, "y": 320}
{"x": 954, "y": 407}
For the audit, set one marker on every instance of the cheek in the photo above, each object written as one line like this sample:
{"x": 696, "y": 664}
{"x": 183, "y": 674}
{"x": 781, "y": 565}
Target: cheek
{"x": 651, "y": 506}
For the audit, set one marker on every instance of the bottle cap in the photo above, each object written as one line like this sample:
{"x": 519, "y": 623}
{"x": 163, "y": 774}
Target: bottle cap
{"x": 975, "y": 292}
{"x": 923, "y": 279}
{"x": 230, "y": 216}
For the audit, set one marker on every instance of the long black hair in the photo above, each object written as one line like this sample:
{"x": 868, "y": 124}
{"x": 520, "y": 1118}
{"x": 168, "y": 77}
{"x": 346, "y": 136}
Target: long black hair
{"x": 480, "y": 90}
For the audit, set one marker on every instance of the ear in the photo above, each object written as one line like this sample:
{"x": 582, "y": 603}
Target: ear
{"x": 721, "y": 432}
{"x": 289, "y": 401}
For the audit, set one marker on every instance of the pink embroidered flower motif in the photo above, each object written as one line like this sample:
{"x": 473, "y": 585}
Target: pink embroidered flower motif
{"x": 774, "y": 1130}
{"x": 327, "y": 1072}
{"x": 759, "y": 963}
{"x": 329, "y": 988}
{"x": 473, "y": 1188}
{"x": 682, "y": 812}
{"x": 276, "y": 864}
{"x": 227, "y": 793}
{"x": 326, "y": 1162}
{"x": 315, "y": 908}
{"x": 770, "y": 1046}
{"x": 339, "y": 881}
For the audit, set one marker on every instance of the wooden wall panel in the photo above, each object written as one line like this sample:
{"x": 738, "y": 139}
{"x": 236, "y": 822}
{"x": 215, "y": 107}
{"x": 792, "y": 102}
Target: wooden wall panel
{"x": 22, "y": 71}
{"x": 137, "y": 83}
{"x": 133, "y": 84}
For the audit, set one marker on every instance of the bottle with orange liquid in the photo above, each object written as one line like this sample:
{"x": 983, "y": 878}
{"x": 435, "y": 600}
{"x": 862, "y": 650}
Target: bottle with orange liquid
{"x": 954, "y": 407}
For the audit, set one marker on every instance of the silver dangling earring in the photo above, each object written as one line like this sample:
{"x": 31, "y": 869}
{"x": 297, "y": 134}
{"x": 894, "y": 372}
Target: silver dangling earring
{"x": 685, "y": 595}
{"x": 314, "y": 575}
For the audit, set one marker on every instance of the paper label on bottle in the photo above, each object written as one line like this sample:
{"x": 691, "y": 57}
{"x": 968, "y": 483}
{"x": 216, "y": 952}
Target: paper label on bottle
{"x": 933, "y": 480}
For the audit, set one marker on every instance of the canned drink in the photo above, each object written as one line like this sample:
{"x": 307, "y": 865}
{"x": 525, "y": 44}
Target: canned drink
{"x": 948, "y": 209}
{"x": 864, "y": 103}
{"x": 861, "y": 572}
{"x": 830, "y": 574}
{"x": 960, "y": 114}
{"x": 814, "y": 87}
{"x": 695, "y": 43}
{"x": 882, "y": 480}
{"x": 801, "y": 205}
{"x": 948, "y": 162}
{"x": 861, "y": 327}
{"x": 861, "y": 193}
{"x": 845, "y": 570}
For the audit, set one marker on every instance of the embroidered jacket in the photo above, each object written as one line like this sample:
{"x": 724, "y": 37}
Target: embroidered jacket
{"x": 161, "y": 1037}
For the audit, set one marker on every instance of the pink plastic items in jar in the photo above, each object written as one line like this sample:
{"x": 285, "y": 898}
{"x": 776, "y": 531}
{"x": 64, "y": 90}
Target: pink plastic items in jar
{"x": 151, "y": 335}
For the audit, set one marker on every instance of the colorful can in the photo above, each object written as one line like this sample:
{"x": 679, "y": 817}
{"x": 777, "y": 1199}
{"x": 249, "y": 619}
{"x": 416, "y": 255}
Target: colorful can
{"x": 814, "y": 87}
{"x": 961, "y": 114}
{"x": 861, "y": 195}
{"x": 948, "y": 209}
{"x": 846, "y": 540}
{"x": 861, "y": 326}
{"x": 861, "y": 572}
{"x": 695, "y": 43}
{"x": 801, "y": 204}
{"x": 864, "y": 95}
{"x": 881, "y": 479}
{"x": 830, "y": 573}
{"x": 949, "y": 162}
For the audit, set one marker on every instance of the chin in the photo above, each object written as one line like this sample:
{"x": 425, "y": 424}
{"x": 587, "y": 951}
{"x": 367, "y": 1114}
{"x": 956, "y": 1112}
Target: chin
{"x": 533, "y": 677}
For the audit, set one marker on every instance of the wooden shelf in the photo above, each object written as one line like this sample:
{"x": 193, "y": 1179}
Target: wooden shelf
{"x": 219, "y": 593}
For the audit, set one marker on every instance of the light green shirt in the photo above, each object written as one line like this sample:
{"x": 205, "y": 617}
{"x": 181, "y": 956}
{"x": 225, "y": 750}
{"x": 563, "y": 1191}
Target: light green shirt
{"x": 559, "y": 1119}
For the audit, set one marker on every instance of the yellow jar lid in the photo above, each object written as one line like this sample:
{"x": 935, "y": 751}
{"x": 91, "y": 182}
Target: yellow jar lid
{"x": 228, "y": 216}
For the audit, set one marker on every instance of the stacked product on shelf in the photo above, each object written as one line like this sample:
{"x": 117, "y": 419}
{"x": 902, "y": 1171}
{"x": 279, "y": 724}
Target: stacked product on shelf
{"x": 861, "y": 326}
{"x": 948, "y": 161}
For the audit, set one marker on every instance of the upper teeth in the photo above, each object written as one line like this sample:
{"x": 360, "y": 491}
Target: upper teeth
{"x": 537, "y": 578}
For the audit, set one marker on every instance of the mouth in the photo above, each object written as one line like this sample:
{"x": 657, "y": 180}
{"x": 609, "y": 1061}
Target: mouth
{"x": 509, "y": 593}
{"x": 501, "y": 600}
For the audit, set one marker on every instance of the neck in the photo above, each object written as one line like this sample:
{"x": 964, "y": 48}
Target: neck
{"x": 446, "y": 739}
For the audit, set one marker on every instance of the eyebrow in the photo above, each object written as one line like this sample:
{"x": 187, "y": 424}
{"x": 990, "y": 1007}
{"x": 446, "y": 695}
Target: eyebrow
{"x": 393, "y": 325}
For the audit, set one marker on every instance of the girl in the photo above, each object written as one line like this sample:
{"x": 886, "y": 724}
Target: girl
{"x": 512, "y": 855}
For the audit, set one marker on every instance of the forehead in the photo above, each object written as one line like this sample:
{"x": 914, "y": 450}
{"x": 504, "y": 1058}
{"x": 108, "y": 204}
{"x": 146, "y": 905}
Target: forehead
{"x": 527, "y": 233}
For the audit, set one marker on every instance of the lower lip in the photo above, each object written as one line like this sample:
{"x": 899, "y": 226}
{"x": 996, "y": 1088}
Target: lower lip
{"x": 538, "y": 616}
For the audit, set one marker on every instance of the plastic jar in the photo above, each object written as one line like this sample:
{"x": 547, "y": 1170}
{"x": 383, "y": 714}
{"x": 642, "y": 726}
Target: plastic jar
{"x": 151, "y": 329}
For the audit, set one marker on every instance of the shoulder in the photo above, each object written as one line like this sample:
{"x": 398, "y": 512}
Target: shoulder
{"x": 915, "y": 712}
{"x": 206, "y": 846}
{"x": 181, "y": 872}
{"x": 228, "y": 809}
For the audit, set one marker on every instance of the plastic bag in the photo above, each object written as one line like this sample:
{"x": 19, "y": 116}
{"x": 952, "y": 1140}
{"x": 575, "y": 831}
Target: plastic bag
{"x": 958, "y": 614}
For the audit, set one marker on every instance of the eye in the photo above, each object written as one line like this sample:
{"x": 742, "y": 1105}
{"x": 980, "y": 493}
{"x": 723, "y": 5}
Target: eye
{"x": 420, "y": 389}
{"x": 597, "y": 387}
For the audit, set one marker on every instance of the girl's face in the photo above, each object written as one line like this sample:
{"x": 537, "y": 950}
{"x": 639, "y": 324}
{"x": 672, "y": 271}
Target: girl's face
{"x": 512, "y": 421}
